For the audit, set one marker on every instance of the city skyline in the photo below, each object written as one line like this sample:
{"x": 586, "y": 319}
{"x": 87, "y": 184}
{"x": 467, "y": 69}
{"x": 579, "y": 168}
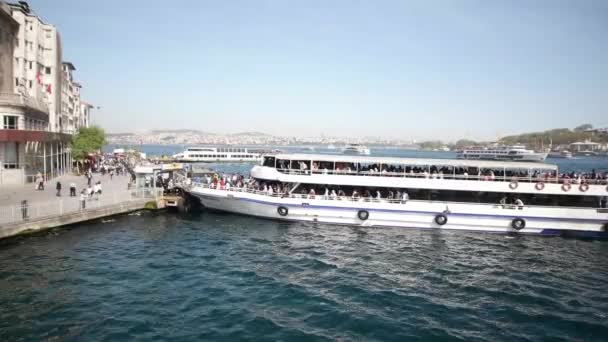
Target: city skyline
{"x": 393, "y": 69}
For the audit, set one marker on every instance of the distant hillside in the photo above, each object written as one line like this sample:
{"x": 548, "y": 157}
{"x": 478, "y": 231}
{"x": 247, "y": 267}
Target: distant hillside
{"x": 178, "y": 131}
{"x": 556, "y": 136}
{"x": 250, "y": 134}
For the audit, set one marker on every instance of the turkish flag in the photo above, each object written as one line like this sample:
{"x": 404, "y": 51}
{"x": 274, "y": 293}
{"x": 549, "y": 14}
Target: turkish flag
{"x": 39, "y": 77}
{"x": 48, "y": 88}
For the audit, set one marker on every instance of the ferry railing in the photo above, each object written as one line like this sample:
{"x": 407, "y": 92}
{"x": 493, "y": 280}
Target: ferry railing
{"x": 374, "y": 199}
{"x": 495, "y": 178}
{"x": 24, "y": 211}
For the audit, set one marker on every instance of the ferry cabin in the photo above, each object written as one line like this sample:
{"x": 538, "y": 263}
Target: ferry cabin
{"x": 490, "y": 196}
{"x": 219, "y": 154}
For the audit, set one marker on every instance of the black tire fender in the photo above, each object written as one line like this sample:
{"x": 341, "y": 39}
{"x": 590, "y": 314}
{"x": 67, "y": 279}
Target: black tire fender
{"x": 518, "y": 223}
{"x": 283, "y": 211}
{"x": 441, "y": 219}
{"x": 363, "y": 215}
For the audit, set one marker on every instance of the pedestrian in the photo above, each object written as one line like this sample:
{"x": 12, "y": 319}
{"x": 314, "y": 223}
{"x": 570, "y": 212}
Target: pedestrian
{"x": 58, "y": 187}
{"x": 111, "y": 173}
{"x": 40, "y": 183}
{"x": 72, "y": 189}
{"x": 83, "y": 199}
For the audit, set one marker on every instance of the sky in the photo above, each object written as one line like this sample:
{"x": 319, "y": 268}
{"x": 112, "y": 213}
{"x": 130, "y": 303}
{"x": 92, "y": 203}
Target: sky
{"x": 396, "y": 69}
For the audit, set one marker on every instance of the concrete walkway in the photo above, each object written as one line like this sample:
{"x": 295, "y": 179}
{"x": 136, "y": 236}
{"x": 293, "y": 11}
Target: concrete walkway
{"x": 13, "y": 195}
{"x": 46, "y": 210}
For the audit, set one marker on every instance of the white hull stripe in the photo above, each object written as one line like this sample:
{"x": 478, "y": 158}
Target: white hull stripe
{"x": 423, "y": 212}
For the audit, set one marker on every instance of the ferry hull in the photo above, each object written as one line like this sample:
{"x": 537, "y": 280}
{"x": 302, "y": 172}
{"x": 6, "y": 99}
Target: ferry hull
{"x": 413, "y": 214}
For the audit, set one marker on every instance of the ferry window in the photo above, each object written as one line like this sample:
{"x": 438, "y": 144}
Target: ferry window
{"x": 269, "y": 161}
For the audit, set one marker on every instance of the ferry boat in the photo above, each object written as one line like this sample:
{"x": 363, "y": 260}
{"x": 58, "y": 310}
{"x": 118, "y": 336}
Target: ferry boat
{"x": 450, "y": 194}
{"x": 218, "y": 154}
{"x": 513, "y": 153}
{"x": 356, "y": 149}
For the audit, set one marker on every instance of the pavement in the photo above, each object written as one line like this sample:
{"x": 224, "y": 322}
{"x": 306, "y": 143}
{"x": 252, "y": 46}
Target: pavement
{"x": 13, "y": 195}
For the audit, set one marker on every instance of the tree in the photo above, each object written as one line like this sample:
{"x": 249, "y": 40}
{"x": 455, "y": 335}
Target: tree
{"x": 583, "y": 128}
{"x": 462, "y": 143}
{"x": 88, "y": 140}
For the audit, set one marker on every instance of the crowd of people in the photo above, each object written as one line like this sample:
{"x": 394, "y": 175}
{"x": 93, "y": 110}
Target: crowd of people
{"x": 441, "y": 172}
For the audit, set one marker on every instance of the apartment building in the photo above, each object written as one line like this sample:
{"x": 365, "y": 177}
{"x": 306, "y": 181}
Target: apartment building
{"x": 40, "y": 107}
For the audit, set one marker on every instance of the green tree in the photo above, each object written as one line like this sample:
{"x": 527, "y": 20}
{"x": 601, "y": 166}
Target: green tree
{"x": 88, "y": 140}
{"x": 583, "y": 128}
{"x": 462, "y": 143}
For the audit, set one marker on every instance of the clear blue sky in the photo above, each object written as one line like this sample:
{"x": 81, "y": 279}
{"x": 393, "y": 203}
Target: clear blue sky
{"x": 419, "y": 69}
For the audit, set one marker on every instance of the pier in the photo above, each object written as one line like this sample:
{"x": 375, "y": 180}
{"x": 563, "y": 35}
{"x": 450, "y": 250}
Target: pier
{"x": 24, "y": 209}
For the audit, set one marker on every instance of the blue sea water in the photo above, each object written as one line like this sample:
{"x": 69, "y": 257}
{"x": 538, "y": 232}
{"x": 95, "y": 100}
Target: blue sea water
{"x": 215, "y": 276}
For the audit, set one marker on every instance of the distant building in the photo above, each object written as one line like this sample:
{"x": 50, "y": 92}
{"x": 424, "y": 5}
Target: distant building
{"x": 35, "y": 130}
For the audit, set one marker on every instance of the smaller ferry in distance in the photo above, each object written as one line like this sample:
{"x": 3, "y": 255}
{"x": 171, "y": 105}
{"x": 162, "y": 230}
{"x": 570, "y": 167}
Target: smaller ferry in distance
{"x": 218, "y": 154}
{"x": 356, "y": 149}
{"x": 504, "y": 153}
{"x": 560, "y": 154}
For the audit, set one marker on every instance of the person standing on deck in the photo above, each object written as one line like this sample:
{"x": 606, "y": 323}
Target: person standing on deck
{"x": 58, "y": 187}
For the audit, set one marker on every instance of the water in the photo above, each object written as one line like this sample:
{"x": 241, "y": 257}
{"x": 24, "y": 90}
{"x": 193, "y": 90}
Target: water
{"x": 576, "y": 164}
{"x": 213, "y": 276}
{"x": 224, "y": 277}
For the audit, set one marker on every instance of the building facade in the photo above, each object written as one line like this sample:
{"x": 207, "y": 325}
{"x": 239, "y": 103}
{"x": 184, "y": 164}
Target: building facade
{"x": 36, "y": 129}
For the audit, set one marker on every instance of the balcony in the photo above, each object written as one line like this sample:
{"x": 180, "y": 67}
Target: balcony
{"x": 30, "y": 103}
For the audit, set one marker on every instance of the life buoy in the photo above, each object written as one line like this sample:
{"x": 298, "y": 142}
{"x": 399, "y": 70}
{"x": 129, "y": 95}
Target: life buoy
{"x": 566, "y": 187}
{"x": 363, "y": 215}
{"x": 441, "y": 219}
{"x": 513, "y": 185}
{"x": 540, "y": 186}
{"x": 283, "y": 211}
{"x": 584, "y": 187}
{"x": 518, "y": 223}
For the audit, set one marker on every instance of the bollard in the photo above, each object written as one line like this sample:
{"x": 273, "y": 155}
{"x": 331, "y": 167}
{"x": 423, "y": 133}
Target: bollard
{"x": 24, "y": 210}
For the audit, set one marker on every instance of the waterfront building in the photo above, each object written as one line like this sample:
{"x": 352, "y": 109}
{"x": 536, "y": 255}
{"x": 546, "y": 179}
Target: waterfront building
{"x": 35, "y": 128}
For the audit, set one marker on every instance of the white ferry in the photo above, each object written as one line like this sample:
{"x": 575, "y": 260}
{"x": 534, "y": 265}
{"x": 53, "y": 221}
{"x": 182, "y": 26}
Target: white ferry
{"x": 463, "y": 195}
{"x": 217, "y": 154}
{"x": 513, "y": 153}
{"x": 356, "y": 149}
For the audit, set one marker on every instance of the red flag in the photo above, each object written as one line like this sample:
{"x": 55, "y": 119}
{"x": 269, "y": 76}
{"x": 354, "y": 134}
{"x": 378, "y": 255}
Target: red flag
{"x": 48, "y": 88}
{"x": 39, "y": 77}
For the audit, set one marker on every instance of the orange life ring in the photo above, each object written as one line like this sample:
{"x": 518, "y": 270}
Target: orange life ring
{"x": 513, "y": 185}
{"x": 584, "y": 187}
{"x": 540, "y": 186}
{"x": 566, "y": 187}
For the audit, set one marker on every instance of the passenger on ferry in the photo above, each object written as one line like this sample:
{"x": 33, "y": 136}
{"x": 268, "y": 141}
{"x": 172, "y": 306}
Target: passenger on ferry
{"x": 311, "y": 194}
{"x": 405, "y": 197}
{"x": 519, "y": 203}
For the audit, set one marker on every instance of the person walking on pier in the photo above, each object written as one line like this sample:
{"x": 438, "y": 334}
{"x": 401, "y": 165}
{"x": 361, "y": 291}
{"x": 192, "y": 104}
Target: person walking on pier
{"x": 58, "y": 187}
{"x": 72, "y": 189}
{"x": 83, "y": 199}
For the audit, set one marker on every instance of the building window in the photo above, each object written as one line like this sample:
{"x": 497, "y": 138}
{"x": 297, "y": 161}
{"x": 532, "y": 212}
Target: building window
{"x": 16, "y": 81}
{"x": 47, "y": 70}
{"x": 31, "y": 84}
{"x": 30, "y": 65}
{"x": 10, "y": 122}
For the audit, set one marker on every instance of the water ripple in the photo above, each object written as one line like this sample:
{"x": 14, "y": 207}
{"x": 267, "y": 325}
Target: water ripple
{"x": 225, "y": 277}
